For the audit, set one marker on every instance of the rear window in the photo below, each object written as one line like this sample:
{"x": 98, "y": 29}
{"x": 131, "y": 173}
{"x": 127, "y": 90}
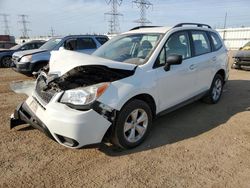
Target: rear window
{"x": 216, "y": 41}
{"x": 101, "y": 40}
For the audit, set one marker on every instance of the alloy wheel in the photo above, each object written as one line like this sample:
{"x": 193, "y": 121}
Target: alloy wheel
{"x": 135, "y": 125}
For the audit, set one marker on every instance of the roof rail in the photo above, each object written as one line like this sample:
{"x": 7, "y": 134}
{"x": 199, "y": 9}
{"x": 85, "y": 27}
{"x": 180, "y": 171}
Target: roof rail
{"x": 197, "y": 24}
{"x": 140, "y": 27}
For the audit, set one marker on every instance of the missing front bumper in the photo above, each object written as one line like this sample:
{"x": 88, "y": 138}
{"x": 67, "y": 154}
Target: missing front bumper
{"x": 23, "y": 115}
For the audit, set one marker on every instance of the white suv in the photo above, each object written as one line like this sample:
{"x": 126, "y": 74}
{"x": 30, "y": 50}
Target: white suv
{"x": 125, "y": 84}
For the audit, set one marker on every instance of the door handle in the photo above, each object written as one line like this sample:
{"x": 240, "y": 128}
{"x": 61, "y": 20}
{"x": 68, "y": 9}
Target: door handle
{"x": 192, "y": 67}
{"x": 214, "y": 58}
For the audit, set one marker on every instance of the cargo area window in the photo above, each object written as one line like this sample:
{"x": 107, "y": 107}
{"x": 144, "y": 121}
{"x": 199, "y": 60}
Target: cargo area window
{"x": 216, "y": 41}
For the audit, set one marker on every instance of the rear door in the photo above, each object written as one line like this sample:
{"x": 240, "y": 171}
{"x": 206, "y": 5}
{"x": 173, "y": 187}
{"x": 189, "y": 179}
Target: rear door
{"x": 203, "y": 59}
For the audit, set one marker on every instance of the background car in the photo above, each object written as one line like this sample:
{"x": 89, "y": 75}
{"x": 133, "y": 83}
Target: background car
{"x": 6, "y": 54}
{"x": 242, "y": 57}
{"x": 33, "y": 60}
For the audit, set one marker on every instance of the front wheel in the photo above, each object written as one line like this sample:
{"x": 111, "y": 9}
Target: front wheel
{"x": 132, "y": 124}
{"x": 6, "y": 62}
{"x": 215, "y": 91}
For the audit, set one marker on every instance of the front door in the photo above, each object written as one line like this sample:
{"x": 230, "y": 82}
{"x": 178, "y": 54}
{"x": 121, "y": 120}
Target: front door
{"x": 179, "y": 83}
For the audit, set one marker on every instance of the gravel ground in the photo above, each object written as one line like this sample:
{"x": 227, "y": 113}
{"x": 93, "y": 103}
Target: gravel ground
{"x": 199, "y": 145}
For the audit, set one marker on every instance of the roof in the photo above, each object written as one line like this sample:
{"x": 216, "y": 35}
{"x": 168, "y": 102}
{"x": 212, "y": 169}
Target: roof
{"x": 86, "y": 35}
{"x": 150, "y": 30}
{"x": 160, "y": 29}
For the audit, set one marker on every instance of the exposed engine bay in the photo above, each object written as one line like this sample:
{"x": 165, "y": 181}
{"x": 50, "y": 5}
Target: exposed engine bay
{"x": 83, "y": 76}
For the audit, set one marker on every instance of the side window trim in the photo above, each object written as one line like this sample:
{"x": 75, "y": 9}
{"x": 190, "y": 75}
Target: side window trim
{"x": 156, "y": 65}
{"x": 191, "y": 43}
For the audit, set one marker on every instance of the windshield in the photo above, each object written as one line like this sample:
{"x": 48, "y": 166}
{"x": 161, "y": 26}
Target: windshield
{"x": 16, "y": 47}
{"x": 133, "y": 48}
{"x": 50, "y": 44}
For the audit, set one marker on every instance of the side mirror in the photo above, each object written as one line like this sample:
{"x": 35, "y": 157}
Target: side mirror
{"x": 172, "y": 60}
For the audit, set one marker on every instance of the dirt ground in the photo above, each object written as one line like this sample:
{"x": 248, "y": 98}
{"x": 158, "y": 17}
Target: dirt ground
{"x": 199, "y": 145}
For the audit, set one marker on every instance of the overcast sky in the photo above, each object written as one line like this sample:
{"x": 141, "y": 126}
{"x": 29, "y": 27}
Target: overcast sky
{"x": 87, "y": 16}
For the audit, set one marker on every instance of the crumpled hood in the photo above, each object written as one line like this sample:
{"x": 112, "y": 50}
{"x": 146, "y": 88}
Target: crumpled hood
{"x": 242, "y": 53}
{"x": 28, "y": 52}
{"x": 63, "y": 61}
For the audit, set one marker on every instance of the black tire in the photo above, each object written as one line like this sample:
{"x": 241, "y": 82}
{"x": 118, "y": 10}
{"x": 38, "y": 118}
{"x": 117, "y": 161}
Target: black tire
{"x": 6, "y": 62}
{"x": 210, "y": 97}
{"x": 119, "y": 136}
{"x": 39, "y": 66}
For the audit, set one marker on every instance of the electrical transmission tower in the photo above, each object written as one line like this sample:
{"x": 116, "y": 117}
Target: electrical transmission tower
{"x": 23, "y": 20}
{"x": 6, "y": 24}
{"x": 143, "y": 5}
{"x": 52, "y": 31}
{"x": 114, "y": 26}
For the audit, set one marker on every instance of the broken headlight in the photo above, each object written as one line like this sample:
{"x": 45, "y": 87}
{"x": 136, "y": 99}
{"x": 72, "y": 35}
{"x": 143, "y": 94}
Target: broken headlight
{"x": 84, "y": 95}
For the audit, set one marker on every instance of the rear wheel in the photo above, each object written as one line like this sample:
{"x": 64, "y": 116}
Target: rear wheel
{"x": 132, "y": 125}
{"x": 215, "y": 91}
{"x": 6, "y": 62}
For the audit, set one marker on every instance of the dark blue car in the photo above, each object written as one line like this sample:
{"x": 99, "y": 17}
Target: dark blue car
{"x": 6, "y": 54}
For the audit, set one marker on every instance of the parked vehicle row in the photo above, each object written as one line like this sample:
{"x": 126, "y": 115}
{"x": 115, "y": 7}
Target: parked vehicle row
{"x": 33, "y": 60}
{"x": 118, "y": 90}
{"x": 6, "y": 54}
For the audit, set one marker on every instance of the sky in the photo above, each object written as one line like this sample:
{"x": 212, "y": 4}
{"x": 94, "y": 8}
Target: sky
{"x": 87, "y": 16}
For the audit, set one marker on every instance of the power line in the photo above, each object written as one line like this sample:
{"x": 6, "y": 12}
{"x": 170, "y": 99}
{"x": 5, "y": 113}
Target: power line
{"x": 142, "y": 5}
{"x": 114, "y": 26}
{"x": 23, "y": 20}
{"x": 6, "y": 24}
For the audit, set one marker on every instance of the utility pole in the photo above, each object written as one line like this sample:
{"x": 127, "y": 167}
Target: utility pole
{"x": 52, "y": 32}
{"x": 224, "y": 27}
{"x": 114, "y": 26}
{"x": 143, "y": 5}
{"x": 23, "y": 20}
{"x": 6, "y": 23}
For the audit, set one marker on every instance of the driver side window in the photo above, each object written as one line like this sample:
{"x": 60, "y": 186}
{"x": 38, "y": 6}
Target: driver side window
{"x": 178, "y": 44}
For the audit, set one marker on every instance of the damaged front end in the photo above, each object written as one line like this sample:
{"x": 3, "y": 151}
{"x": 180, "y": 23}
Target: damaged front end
{"x": 78, "y": 89}
{"x": 82, "y": 80}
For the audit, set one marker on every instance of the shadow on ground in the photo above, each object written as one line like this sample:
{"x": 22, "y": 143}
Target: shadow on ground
{"x": 192, "y": 120}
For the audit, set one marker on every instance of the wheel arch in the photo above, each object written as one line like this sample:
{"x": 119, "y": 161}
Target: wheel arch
{"x": 222, "y": 73}
{"x": 146, "y": 98}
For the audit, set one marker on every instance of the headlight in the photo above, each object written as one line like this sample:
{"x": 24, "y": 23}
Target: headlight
{"x": 26, "y": 58}
{"x": 85, "y": 95}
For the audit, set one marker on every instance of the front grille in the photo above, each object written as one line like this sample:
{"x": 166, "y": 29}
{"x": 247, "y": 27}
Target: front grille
{"x": 43, "y": 91}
